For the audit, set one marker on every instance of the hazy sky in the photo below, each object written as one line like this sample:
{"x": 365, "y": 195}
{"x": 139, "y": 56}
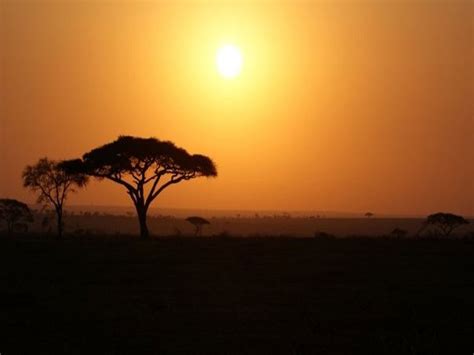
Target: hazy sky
{"x": 352, "y": 106}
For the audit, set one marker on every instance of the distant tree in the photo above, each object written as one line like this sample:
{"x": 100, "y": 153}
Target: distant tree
{"x": 369, "y": 214}
{"x": 52, "y": 184}
{"x": 446, "y": 222}
{"x": 324, "y": 235}
{"x": 16, "y": 214}
{"x": 398, "y": 233}
{"x": 198, "y": 223}
{"x": 144, "y": 166}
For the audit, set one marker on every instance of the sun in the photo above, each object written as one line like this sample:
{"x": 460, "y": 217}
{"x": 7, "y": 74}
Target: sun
{"x": 229, "y": 61}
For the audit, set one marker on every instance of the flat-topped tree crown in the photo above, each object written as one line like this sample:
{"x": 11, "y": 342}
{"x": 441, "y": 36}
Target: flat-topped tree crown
{"x": 144, "y": 166}
{"x": 446, "y": 222}
{"x": 198, "y": 223}
{"x": 135, "y": 156}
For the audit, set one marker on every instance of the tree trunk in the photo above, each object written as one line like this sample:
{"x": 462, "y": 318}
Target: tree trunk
{"x": 141, "y": 212}
{"x": 59, "y": 220}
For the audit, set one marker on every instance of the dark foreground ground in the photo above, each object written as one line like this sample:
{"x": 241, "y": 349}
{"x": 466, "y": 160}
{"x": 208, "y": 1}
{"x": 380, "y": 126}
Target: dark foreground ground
{"x": 236, "y": 296}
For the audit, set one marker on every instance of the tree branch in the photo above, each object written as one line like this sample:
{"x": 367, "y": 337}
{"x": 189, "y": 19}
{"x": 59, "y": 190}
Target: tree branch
{"x": 119, "y": 181}
{"x": 173, "y": 180}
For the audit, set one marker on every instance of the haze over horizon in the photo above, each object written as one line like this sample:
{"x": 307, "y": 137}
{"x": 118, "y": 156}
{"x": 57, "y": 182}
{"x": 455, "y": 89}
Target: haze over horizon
{"x": 340, "y": 106}
{"x": 226, "y": 212}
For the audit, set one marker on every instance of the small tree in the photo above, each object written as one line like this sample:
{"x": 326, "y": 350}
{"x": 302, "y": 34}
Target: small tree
{"x": 52, "y": 184}
{"x": 15, "y": 214}
{"x": 398, "y": 233}
{"x": 198, "y": 223}
{"x": 144, "y": 166}
{"x": 369, "y": 214}
{"x": 446, "y": 222}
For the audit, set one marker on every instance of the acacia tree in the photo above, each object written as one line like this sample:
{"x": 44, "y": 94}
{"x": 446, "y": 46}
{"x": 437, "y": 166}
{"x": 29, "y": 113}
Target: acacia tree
{"x": 52, "y": 184}
{"x": 14, "y": 213}
{"x": 145, "y": 167}
{"x": 446, "y": 222}
{"x": 198, "y": 223}
{"x": 398, "y": 233}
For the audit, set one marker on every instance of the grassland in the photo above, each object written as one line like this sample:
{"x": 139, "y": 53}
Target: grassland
{"x": 243, "y": 226}
{"x": 236, "y": 296}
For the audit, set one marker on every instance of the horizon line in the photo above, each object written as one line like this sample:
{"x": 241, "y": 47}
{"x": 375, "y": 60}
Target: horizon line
{"x": 306, "y": 212}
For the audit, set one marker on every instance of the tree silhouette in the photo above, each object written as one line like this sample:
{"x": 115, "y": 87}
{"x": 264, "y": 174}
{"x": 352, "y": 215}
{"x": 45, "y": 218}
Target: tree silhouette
{"x": 15, "y": 213}
{"x": 52, "y": 184}
{"x": 369, "y": 214}
{"x": 398, "y": 233}
{"x": 198, "y": 223}
{"x": 144, "y": 166}
{"x": 446, "y": 222}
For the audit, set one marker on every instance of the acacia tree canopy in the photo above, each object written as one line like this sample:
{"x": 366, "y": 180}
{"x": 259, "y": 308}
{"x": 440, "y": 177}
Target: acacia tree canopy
{"x": 198, "y": 223}
{"x": 196, "y": 220}
{"x": 14, "y": 212}
{"x": 446, "y": 222}
{"x": 144, "y": 166}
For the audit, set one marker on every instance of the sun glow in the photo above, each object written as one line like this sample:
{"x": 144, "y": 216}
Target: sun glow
{"x": 229, "y": 61}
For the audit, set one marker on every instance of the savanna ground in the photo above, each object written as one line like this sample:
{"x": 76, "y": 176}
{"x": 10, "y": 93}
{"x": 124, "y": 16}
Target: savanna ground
{"x": 242, "y": 226}
{"x": 236, "y": 296}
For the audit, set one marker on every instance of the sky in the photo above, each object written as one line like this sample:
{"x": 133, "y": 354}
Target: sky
{"x": 340, "y": 105}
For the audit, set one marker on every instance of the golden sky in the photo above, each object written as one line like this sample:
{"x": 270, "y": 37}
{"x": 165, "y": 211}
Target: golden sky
{"x": 340, "y": 105}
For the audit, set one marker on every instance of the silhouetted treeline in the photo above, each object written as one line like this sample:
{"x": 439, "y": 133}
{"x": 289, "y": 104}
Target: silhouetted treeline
{"x": 101, "y": 223}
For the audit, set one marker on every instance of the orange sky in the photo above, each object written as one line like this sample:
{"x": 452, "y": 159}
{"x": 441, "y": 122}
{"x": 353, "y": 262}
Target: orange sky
{"x": 349, "y": 106}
